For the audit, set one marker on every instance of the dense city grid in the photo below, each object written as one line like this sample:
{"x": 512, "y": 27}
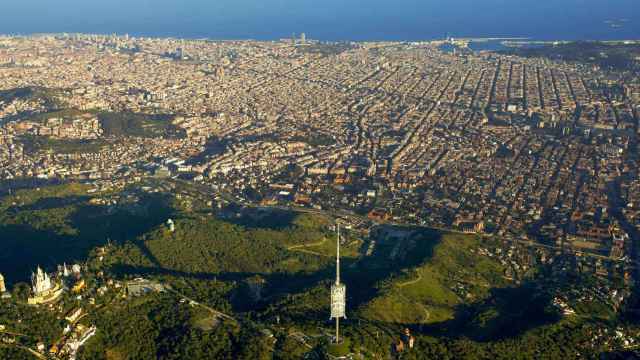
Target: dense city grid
{"x": 540, "y": 154}
{"x": 527, "y": 148}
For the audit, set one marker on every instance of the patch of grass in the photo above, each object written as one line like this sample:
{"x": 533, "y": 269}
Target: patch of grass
{"x": 204, "y": 245}
{"x": 49, "y": 96}
{"x": 206, "y": 323}
{"x": 311, "y": 221}
{"x": 316, "y": 140}
{"x": 341, "y": 349}
{"x": 27, "y": 197}
{"x": 140, "y": 125}
{"x": 327, "y": 247}
{"x": 594, "y": 309}
{"x": 34, "y": 144}
{"x": 431, "y": 292}
{"x": 61, "y": 114}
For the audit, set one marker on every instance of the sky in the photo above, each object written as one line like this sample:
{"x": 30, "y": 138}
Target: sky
{"x": 327, "y": 19}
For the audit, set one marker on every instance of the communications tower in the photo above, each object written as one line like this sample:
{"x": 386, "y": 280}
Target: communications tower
{"x": 338, "y": 293}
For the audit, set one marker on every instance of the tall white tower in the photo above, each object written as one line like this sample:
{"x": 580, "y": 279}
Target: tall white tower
{"x": 338, "y": 293}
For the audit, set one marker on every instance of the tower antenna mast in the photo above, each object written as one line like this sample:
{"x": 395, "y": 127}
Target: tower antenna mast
{"x": 338, "y": 257}
{"x": 338, "y": 292}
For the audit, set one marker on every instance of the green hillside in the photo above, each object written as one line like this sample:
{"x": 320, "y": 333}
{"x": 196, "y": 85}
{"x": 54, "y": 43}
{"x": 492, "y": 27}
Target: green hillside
{"x": 47, "y": 96}
{"x": 272, "y": 270}
{"x": 459, "y": 291}
{"x": 135, "y": 124}
{"x": 430, "y": 293}
{"x": 52, "y": 225}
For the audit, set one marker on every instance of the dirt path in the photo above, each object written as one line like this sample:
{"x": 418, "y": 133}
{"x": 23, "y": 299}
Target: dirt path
{"x": 302, "y": 248}
{"x": 411, "y": 282}
{"x": 416, "y": 303}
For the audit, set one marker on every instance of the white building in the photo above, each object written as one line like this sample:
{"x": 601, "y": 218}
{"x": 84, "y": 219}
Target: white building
{"x": 41, "y": 282}
{"x": 44, "y": 290}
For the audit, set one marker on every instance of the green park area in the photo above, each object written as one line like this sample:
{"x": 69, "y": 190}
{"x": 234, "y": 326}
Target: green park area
{"x": 271, "y": 270}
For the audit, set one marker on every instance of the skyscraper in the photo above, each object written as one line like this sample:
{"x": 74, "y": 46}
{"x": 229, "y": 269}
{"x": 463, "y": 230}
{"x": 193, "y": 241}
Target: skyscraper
{"x": 303, "y": 38}
{"x": 3, "y": 288}
{"x": 338, "y": 293}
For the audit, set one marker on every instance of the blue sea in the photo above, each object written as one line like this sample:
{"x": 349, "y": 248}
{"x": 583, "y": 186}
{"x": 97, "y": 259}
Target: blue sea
{"x": 330, "y": 20}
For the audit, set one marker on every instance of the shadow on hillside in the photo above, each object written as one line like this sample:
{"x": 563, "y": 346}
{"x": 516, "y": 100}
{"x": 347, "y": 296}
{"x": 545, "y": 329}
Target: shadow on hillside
{"x": 37, "y": 239}
{"x": 49, "y": 203}
{"x": 396, "y": 250}
{"x": 506, "y": 313}
{"x": 11, "y": 186}
{"x": 278, "y": 285}
{"x": 213, "y": 147}
{"x": 362, "y": 276}
{"x": 264, "y": 218}
{"x": 22, "y": 248}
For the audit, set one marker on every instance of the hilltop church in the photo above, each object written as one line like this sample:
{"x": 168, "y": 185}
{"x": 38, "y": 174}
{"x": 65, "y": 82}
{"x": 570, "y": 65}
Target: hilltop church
{"x": 44, "y": 289}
